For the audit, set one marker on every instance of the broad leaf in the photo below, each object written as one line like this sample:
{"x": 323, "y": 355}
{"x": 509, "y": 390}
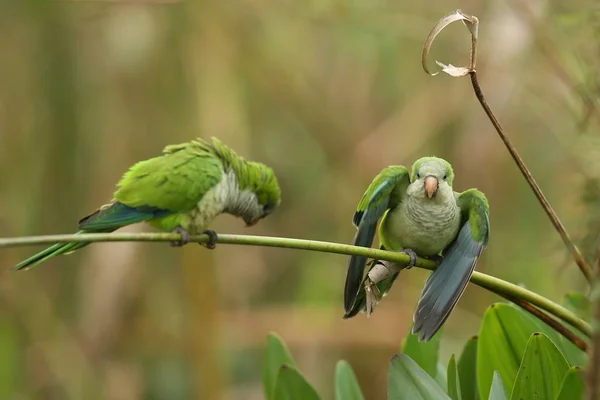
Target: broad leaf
{"x": 423, "y": 353}
{"x": 291, "y": 385}
{"x": 504, "y": 334}
{"x": 408, "y": 381}
{"x": 346, "y": 384}
{"x": 441, "y": 376}
{"x": 453, "y": 381}
{"x": 541, "y": 371}
{"x": 467, "y": 370}
{"x": 276, "y": 355}
{"x": 497, "y": 391}
{"x": 573, "y": 385}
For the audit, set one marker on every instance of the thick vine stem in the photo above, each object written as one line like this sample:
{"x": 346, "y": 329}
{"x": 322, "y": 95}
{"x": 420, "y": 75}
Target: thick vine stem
{"x": 488, "y": 282}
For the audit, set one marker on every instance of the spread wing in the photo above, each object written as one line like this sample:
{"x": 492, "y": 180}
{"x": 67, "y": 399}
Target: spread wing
{"x": 385, "y": 192}
{"x": 447, "y": 283}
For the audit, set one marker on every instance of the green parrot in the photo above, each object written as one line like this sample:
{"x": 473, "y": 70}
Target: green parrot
{"x": 421, "y": 215}
{"x": 181, "y": 191}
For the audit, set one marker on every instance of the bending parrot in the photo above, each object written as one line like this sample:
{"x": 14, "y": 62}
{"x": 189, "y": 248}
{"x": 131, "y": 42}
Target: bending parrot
{"x": 182, "y": 191}
{"x": 421, "y": 215}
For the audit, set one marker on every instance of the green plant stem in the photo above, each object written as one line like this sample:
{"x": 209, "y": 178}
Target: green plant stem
{"x": 488, "y": 282}
{"x": 551, "y": 322}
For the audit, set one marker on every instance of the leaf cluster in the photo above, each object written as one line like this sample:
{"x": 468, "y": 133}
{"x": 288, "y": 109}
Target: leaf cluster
{"x": 515, "y": 356}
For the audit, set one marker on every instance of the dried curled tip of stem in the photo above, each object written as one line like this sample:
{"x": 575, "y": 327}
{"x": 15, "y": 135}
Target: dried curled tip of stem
{"x": 472, "y": 23}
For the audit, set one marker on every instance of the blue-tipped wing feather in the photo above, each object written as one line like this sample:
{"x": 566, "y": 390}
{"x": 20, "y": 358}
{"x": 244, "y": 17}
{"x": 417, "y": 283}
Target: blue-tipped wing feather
{"x": 106, "y": 219}
{"x": 118, "y": 215}
{"x": 447, "y": 283}
{"x": 356, "y": 266}
{"x": 383, "y": 193}
{"x": 360, "y": 302}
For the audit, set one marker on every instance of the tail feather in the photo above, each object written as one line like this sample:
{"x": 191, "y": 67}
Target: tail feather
{"x": 52, "y": 251}
{"x": 106, "y": 219}
{"x": 360, "y": 302}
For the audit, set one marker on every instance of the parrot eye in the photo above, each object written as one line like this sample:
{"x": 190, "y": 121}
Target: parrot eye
{"x": 418, "y": 175}
{"x": 445, "y": 176}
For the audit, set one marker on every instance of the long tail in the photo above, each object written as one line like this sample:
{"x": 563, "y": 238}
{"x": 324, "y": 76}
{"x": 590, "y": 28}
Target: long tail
{"x": 106, "y": 219}
{"x": 52, "y": 251}
{"x": 360, "y": 303}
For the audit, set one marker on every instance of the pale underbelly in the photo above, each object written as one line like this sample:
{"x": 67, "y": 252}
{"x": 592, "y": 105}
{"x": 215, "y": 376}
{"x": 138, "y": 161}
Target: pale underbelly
{"x": 426, "y": 237}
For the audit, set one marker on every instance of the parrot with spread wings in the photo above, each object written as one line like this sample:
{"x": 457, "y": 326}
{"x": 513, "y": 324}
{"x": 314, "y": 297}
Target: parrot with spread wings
{"x": 422, "y": 216}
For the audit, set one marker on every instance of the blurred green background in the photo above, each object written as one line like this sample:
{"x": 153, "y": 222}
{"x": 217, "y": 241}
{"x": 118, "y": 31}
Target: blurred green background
{"x": 327, "y": 92}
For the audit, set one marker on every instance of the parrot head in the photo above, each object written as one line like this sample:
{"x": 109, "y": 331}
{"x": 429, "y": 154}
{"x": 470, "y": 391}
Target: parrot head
{"x": 267, "y": 194}
{"x": 431, "y": 178}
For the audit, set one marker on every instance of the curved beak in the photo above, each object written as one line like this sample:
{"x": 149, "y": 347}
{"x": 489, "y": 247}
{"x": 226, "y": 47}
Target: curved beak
{"x": 431, "y": 186}
{"x": 251, "y": 222}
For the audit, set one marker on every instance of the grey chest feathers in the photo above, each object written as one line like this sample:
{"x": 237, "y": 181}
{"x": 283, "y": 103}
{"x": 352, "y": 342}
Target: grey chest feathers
{"x": 422, "y": 225}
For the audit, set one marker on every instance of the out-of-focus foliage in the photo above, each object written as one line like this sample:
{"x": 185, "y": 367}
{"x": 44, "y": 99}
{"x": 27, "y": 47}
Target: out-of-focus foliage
{"x": 503, "y": 340}
{"x": 346, "y": 385}
{"x": 541, "y": 368}
{"x": 327, "y": 93}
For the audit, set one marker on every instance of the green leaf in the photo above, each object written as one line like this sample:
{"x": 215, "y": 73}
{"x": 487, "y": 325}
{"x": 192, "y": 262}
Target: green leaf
{"x": 497, "y": 391}
{"x": 406, "y": 380}
{"x": 291, "y": 385}
{"x": 467, "y": 370}
{"x": 346, "y": 384}
{"x": 579, "y": 304}
{"x": 504, "y": 334}
{"x": 276, "y": 355}
{"x": 423, "y": 353}
{"x": 453, "y": 381}
{"x": 541, "y": 371}
{"x": 573, "y": 385}
{"x": 441, "y": 377}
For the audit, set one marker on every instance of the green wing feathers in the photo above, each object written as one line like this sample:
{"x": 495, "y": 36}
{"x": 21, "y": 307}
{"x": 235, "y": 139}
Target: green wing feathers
{"x": 388, "y": 187}
{"x": 475, "y": 208}
{"x": 176, "y": 181}
{"x": 385, "y": 192}
{"x": 447, "y": 283}
{"x": 161, "y": 186}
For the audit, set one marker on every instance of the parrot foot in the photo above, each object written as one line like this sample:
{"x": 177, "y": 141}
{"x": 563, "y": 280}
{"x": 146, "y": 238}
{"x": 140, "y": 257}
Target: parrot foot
{"x": 413, "y": 258}
{"x": 185, "y": 237}
{"x": 373, "y": 295}
{"x": 212, "y": 239}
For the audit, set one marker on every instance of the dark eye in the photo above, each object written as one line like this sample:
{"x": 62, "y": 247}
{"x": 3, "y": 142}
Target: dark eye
{"x": 445, "y": 176}
{"x": 418, "y": 175}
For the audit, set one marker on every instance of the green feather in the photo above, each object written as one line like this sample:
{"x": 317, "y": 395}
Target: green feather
{"x": 383, "y": 193}
{"x": 169, "y": 192}
{"x": 455, "y": 225}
